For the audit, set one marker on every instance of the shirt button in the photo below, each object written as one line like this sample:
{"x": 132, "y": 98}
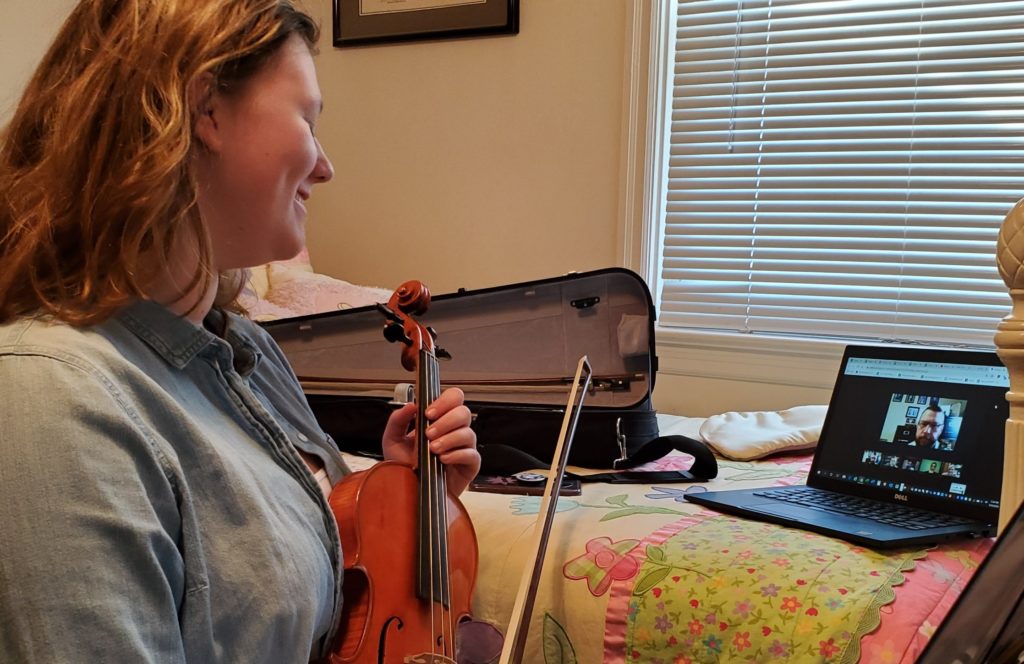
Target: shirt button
{"x": 303, "y": 438}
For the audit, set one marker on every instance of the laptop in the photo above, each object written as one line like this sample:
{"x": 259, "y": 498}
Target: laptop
{"x": 910, "y": 453}
{"x": 977, "y": 629}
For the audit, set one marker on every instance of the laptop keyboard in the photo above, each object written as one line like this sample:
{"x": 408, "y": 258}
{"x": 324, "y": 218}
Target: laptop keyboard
{"x": 894, "y": 515}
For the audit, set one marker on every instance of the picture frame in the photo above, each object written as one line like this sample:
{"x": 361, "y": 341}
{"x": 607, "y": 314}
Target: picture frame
{"x": 364, "y": 22}
{"x": 913, "y": 411}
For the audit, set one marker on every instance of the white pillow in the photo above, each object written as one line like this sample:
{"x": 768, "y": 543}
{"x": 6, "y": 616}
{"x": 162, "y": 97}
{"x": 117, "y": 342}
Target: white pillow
{"x": 746, "y": 436}
{"x": 254, "y": 292}
{"x": 259, "y": 282}
{"x": 298, "y": 289}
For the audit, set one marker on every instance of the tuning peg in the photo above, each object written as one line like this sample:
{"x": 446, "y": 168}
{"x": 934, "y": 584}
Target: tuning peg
{"x": 441, "y": 353}
{"x": 388, "y": 313}
{"x": 395, "y": 332}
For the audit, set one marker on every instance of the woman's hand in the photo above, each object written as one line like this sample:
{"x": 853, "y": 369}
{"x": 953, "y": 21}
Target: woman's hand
{"x": 449, "y": 435}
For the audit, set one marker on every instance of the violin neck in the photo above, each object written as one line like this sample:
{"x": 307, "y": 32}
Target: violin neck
{"x": 433, "y": 517}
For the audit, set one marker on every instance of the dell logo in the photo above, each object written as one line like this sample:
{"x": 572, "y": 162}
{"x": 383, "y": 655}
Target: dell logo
{"x": 900, "y": 496}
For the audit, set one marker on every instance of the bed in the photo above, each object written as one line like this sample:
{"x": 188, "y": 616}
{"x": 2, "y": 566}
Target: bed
{"x": 636, "y": 574}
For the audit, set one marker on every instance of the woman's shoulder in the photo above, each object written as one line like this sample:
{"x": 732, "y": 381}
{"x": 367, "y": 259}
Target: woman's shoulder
{"x": 45, "y": 336}
{"x": 58, "y": 362}
{"x": 53, "y": 372}
{"x": 107, "y": 346}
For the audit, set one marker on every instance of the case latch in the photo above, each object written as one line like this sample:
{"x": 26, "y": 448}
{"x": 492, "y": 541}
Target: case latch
{"x": 621, "y": 438}
{"x": 584, "y": 302}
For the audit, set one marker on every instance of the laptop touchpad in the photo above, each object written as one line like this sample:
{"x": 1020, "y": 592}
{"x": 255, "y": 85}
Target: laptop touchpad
{"x": 783, "y": 509}
{"x": 802, "y": 514}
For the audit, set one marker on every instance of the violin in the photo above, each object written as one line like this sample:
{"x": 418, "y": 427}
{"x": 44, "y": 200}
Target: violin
{"x": 410, "y": 550}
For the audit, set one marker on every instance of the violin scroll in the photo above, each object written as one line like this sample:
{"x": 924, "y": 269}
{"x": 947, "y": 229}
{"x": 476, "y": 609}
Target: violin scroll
{"x": 410, "y": 299}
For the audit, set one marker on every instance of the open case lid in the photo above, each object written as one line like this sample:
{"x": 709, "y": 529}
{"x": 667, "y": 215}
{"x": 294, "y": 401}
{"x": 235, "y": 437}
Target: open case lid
{"x": 517, "y": 343}
{"x": 986, "y": 624}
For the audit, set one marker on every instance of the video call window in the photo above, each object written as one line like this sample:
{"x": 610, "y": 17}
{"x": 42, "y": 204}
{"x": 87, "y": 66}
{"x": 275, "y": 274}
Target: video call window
{"x": 923, "y": 421}
{"x": 926, "y": 466}
{"x": 871, "y": 457}
{"x": 952, "y": 469}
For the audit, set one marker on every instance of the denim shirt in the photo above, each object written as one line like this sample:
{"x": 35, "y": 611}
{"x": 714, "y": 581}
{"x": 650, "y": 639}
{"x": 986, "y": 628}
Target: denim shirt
{"x": 153, "y": 505}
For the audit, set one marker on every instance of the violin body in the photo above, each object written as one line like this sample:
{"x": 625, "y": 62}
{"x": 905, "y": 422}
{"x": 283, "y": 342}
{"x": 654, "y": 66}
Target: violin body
{"x": 383, "y": 620}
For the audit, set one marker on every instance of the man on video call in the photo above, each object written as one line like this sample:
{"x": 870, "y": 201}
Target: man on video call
{"x": 929, "y": 427}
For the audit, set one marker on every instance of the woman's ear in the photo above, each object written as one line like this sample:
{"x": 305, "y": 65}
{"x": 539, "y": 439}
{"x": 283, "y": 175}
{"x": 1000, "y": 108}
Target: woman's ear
{"x": 202, "y": 100}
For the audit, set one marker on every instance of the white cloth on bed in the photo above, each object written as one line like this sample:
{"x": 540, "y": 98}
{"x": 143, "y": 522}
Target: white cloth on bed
{"x": 292, "y": 288}
{"x": 752, "y": 435}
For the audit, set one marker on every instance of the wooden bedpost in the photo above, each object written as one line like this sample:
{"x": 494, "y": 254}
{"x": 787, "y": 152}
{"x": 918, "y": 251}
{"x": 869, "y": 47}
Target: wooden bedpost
{"x": 1010, "y": 347}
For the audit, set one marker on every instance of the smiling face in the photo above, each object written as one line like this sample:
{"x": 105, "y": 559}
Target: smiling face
{"x": 260, "y": 161}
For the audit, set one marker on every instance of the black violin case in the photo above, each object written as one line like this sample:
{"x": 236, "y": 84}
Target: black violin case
{"x": 514, "y": 350}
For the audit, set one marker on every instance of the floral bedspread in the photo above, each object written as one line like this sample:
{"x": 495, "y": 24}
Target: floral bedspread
{"x": 635, "y": 574}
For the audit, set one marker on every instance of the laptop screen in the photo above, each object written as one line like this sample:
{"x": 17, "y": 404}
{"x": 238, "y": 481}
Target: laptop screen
{"x": 919, "y": 426}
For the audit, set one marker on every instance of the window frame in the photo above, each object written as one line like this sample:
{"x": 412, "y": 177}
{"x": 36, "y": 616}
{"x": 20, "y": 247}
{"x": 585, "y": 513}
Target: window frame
{"x": 779, "y": 359}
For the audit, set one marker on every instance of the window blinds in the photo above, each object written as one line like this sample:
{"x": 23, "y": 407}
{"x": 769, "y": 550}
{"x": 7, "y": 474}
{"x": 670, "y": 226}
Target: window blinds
{"x": 841, "y": 168}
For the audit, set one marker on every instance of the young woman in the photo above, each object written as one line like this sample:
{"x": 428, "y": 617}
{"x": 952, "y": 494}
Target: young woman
{"x": 162, "y": 480}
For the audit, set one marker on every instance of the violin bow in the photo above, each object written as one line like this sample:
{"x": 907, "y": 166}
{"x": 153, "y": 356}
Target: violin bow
{"x": 515, "y": 638}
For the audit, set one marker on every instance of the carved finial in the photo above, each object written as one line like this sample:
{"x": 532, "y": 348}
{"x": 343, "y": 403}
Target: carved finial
{"x": 1009, "y": 341}
{"x": 1010, "y": 248}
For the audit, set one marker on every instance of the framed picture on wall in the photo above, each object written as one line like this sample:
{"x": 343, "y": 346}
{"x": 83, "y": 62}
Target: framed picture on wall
{"x": 912, "y": 411}
{"x": 359, "y": 22}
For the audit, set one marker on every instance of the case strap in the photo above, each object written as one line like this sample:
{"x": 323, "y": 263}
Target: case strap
{"x": 704, "y": 467}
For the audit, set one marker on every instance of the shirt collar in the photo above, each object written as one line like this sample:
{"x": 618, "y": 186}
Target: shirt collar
{"x": 246, "y": 355}
{"x": 175, "y": 338}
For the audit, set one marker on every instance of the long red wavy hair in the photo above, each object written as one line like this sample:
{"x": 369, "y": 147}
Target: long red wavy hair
{"x": 96, "y": 176}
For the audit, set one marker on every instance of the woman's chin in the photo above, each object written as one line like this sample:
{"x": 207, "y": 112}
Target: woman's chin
{"x": 289, "y": 247}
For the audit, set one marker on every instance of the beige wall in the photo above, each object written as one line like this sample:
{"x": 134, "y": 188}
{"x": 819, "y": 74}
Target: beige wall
{"x": 474, "y": 162}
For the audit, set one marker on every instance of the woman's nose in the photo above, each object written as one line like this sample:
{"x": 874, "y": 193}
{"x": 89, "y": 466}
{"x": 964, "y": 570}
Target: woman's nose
{"x": 323, "y": 170}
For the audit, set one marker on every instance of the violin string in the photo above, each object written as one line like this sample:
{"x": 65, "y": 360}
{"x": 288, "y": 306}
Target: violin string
{"x": 427, "y": 468}
{"x": 440, "y": 512}
{"x": 442, "y": 497}
{"x": 448, "y": 568}
{"x": 436, "y": 618}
